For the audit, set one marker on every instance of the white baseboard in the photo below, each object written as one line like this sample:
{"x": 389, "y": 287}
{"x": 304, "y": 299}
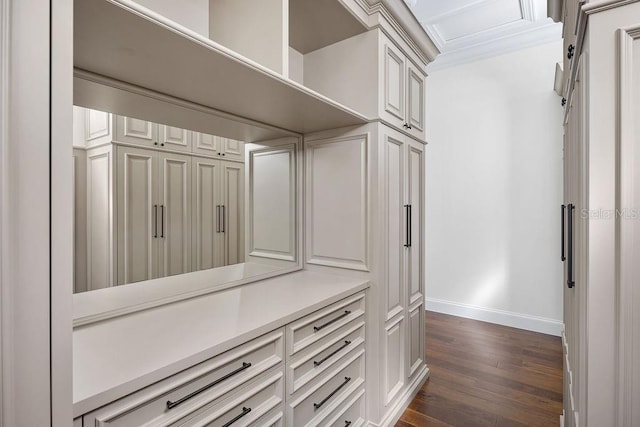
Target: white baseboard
{"x": 506, "y": 318}
{"x": 393, "y": 415}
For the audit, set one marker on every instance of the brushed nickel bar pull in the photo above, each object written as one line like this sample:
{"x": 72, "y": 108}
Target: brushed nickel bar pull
{"x": 162, "y": 221}
{"x": 407, "y": 226}
{"x": 224, "y": 219}
{"x": 562, "y": 229}
{"x": 570, "y": 279}
{"x": 155, "y": 221}
{"x": 171, "y": 405}
{"x": 217, "y": 218}
{"x": 345, "y": 345}
{"x": 318, "y": 328}
{"x": 245, "y": 411}
{"x": 317, "y": 406}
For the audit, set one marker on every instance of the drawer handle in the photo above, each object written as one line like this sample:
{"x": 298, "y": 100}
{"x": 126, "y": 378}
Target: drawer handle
{"x": 171, "y": 405}
{"x": 318, "y": 328}
{"x": 317, "y": 406}
{"x": 245, "y": 411}
{"x": 346, "y": 344}
{"x": 347, "y": 423}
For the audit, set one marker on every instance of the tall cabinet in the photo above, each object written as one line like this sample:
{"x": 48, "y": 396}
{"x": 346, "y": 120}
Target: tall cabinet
{"x": 153, "y": 200}
{"x": 601, "y": 88}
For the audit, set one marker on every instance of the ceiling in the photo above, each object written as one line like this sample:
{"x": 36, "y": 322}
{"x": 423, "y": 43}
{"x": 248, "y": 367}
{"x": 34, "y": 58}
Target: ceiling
{"x": 468, "y": 30}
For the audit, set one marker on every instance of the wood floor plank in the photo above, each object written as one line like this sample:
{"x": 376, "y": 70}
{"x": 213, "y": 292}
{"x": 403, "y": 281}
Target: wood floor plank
{"x": 487, "y": 375}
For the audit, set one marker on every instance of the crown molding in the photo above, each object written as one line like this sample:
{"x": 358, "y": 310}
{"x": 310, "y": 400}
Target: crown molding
{"x": 541, "y": 34}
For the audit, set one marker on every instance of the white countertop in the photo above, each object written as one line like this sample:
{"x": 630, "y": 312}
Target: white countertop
{"x": 118, "y": 356}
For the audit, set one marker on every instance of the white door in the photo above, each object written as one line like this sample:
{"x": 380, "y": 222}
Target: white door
{"x": 207, "y": 230}
{"x": 395, "y": 239}
{"x": 136, "y": 131}
{"x": 137, "y": 213}
{"x": 415, "y": 101}
{"x": 393, "y": 84}
{"x": 232, "y": 212}
{"x": 233, "y": 150}
{"x": 174, "y": 215}
{"x": 206, "y": 144}
{"x": 415, "y": 254}
{"x": 173, "y": 138}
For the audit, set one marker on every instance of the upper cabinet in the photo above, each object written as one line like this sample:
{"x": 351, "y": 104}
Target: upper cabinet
{"x": 374, "y": 75}
{"x": 403, "y": 91}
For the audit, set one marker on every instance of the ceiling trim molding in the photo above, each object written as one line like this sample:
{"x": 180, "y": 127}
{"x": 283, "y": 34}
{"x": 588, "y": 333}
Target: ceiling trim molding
{"x": 540, "y": 35}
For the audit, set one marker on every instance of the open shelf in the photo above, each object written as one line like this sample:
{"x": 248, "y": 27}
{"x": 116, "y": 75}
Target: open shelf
{"x": 124, "y": 41}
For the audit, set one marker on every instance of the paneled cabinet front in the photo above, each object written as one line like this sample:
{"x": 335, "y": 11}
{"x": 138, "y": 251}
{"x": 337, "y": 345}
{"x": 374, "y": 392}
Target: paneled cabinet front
{"x": 402, "y": 177}
{"x": 218, "y": 213}
{"x": 153, "y": 214}
{"x": 403, "y": 91}
{"x": 218, "y": 146}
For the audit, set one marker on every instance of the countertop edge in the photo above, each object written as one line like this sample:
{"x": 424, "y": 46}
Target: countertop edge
{"x": 96, "y": 401}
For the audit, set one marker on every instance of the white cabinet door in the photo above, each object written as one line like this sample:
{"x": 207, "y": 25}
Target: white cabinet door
{"x": 206, "y": 144}
{"x": 173, "y": 138}
{"x": 207, "y": 231}
{"x": 98, "y": 128}
{"x": 415, "y": 201}
{"x": 415, "y": 101}
{"x": 233, "y": 212}
{"x": 135, "y": 131}
{"x": 137, "y": 214}
{"x": 393, "y": 84}
{"x": 415, "y": 255}
{"x": 395, "y": 234}
{"x": 174, "y": 216}
{"x": 233, "y": 150}
{"x": 99, "y": 218}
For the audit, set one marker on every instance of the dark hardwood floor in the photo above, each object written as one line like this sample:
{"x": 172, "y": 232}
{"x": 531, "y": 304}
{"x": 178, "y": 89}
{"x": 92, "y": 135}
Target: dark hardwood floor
{"x": 487, "y": 375}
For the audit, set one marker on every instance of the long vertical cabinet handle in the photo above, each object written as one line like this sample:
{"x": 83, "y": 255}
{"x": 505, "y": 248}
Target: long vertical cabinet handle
{"x": 407, "y": 240}
{"x": 217, "y": 218}
{"x": 570, "y": 279}
{"x": 155, "y": 221}
{"x": 224, "y": 217}
{"x": 410, "y": 225}
{"x": 562, "y": 233}
{"x": 162, "y": 221}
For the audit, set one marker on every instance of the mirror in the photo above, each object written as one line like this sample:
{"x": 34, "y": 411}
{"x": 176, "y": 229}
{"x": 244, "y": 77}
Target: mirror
{"x": 154, "y": 201}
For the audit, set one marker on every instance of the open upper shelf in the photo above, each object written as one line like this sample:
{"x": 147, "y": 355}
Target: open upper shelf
{"x": 121, "y": 40}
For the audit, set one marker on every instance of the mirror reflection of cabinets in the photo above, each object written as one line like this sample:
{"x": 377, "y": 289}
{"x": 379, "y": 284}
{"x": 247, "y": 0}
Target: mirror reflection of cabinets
{"x": 153, "y": 200}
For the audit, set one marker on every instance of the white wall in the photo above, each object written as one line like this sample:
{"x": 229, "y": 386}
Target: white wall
{"x": 193, "y": 14}
{"x": 494, "y": 189}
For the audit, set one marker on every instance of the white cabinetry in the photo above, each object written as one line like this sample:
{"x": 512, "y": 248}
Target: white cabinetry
{"x": 402, "y": 180}
{"x": 403, "y": 91}
{"x": 310, "y": 372}
{"x": 141, "y": 132}
{"x": 218, "y": 213}
{"x": 373, "y": 75}
{"x": 368, "y": 216}
{"x": 153, "y": 214}
{"x": 147, "y": 207}
{"x": 601, "y": 203}
{"x": 218, "y": 146}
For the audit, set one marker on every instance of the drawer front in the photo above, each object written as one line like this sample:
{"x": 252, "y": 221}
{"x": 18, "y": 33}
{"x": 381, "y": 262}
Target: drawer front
{"x": 313, "y": 407}
{"x": 351, "y": 413}
{"x": 186, "y": 392}
{"x": 322, "y": 356}
{"x": 314, "y": 327}
{"x": 257, "y": 404}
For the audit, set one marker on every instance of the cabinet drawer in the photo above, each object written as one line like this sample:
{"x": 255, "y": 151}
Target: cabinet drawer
{"x": 313, "y": 407}
{"x": 351, "y": 413}
{"x": 186, "y": 392}
{"x": 257, "y": 404}
{"x": 322, "y": 356}
{"x": 320, "y": 324}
